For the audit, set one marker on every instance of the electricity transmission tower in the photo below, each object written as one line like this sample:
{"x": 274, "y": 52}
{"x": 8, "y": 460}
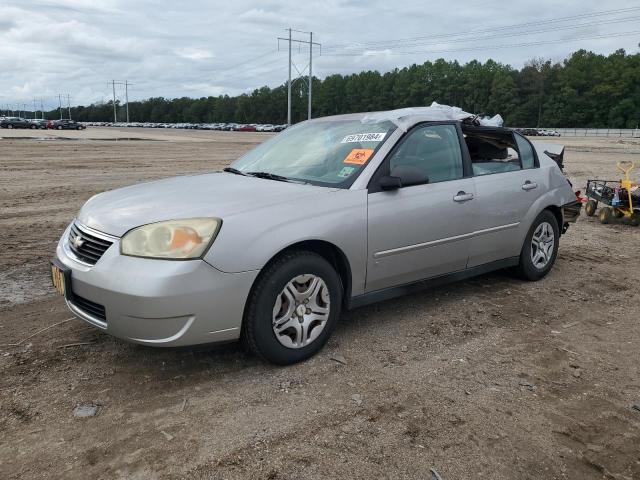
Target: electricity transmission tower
{"x": 126, "y": 96}
{"x": 290, "y": 40}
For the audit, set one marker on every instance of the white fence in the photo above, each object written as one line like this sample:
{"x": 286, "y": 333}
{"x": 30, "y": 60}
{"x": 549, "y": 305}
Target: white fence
{"x": 597, "y": 132}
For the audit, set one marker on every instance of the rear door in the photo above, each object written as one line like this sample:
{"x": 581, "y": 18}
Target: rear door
{"x": 507, "y": 182}
{"x": 421, "y": 231}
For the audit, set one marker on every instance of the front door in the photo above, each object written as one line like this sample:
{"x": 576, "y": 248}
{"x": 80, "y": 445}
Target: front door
{"x": 421, "y": 231}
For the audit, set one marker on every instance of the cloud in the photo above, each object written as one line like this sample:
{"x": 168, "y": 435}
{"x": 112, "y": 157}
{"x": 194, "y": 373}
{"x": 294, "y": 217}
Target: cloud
{"x": 211, "y": 47}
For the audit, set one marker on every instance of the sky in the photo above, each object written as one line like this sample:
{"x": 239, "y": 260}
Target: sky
{"x": 199, "y": 48}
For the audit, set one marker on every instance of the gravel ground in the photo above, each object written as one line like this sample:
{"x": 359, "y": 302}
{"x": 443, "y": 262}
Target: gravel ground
{"x": 488, "y": 378}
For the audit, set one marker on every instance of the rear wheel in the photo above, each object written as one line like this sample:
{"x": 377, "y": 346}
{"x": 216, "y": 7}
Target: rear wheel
{"x": 59, "y": 127}
{"x": 9, "y": 126}
{"x": 293, "y": 308}
{"x": 590, "y": 208}
{"x": 33, "y": 127}
{"x": 540, "y": 247}
{"x": 605, "y": 215}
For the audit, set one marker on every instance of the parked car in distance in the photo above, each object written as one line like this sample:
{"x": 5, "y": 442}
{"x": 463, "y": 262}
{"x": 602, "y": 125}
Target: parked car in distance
{"x": 14, "y": 122}
{"x": 65, "y": 124}
{"x": 332, "y": 214}
{"x": 38, "y": 123}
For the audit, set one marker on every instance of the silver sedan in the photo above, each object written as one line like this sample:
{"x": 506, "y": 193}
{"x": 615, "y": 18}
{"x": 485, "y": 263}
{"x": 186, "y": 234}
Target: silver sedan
{"x": 331, "y": 214}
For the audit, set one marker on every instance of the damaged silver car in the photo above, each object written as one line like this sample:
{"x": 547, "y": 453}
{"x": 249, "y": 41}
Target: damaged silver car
{"x": 331, "y": 214}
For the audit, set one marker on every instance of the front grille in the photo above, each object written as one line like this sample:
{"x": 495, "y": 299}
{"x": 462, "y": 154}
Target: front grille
{"x": 86, "y": 247}
{"x": 94, "y": 309}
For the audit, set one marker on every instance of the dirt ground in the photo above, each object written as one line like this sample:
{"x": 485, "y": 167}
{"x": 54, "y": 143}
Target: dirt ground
{"x": 491, "y": 378}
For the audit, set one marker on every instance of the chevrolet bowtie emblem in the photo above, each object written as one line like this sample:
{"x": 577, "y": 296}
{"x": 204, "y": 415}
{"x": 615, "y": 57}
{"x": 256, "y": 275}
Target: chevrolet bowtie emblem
{"x": 77, "y": 241}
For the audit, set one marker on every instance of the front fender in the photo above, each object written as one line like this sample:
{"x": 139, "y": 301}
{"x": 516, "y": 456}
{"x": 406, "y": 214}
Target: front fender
{"x": 250, "y": 239}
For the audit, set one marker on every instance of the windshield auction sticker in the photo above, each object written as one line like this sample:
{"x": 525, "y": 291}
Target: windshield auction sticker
{"x": 358, "y": 156}
{"x": 364, "y": 137}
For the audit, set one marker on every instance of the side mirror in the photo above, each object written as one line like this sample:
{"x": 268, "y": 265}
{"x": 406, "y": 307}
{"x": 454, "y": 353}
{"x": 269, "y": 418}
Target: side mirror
{"x": 390, "y": 183}
{"x": 403, "y": 176}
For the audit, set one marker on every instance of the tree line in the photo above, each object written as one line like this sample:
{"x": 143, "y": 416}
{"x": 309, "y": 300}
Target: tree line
{"x": 585, "y": 90}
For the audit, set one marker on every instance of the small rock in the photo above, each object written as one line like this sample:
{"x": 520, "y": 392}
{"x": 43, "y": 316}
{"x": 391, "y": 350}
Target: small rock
{"x": 404, "y": 348}
{"x": 357, "y": 399}
{"x": 84, "y": 411}
{"x": 168, "y": 436}
{"x": 339, "y": 358}
{"x": 636, "y": 407}
{"x": 577, "y": 373}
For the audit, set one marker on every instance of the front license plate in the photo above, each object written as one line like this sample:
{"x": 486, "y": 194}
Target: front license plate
{"x": 57, "y": 277}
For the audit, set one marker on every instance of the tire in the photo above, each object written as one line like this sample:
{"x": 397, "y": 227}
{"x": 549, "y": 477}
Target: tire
{"x": 59, "y": 127}
{"x": 635, "y": 220}
{"x": 261, "y": 317}
{"x": 9, "y": 126}
{"x": 79, "y": 128}
{"x": 605, "y": 215}
{"x": 590, "y": 208}
{"x": 545, "y": 226}
{"x": 33, "y": 127}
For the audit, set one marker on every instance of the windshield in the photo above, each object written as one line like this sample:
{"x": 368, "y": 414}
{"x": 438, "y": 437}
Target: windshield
{"x": 330, "y": 153}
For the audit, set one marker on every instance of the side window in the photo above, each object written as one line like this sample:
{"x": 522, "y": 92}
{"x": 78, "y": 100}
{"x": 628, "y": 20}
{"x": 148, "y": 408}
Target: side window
{"x": 433, "y": 149}
{"x": 526, "y": 152}
{"x": 492, "y": 152}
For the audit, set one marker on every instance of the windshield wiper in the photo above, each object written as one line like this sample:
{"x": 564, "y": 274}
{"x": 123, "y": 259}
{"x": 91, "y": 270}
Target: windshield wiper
{"x": 234, "y": 170}
{"x": 268, "y": 176}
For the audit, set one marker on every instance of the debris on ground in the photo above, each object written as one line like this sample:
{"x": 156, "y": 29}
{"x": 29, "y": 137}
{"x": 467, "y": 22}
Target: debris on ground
{"x": 85, "y": 411}
{"x": 339, "y": 359}
{"x": 357, "y": 399}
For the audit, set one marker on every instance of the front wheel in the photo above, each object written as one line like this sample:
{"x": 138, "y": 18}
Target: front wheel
{"x": 540, "y": 247}
{"x": 293, "y": 308}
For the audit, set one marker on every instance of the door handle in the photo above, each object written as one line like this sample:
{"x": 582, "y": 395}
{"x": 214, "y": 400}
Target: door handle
{"x": 463, "y": 197}
{"x": 529, "y": 185}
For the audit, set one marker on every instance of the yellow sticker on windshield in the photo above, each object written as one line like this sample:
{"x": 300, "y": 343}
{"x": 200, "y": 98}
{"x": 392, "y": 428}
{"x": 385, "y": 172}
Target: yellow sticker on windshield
{"x": 359, "y": 156}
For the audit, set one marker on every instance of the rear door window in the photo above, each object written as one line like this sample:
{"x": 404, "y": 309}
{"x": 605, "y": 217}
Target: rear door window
{"x": 527, "y": 157}
{"x": 492, "y": 151}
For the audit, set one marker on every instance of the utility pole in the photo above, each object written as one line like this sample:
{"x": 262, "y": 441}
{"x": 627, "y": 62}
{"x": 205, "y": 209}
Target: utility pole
{"x": 115, "y": 114}
{"x": 69, "y": 105}
{"x": 126, "y": 96}
{"x": 41, "y": 109}
{"x": 34, "y": 109}
{"x": 60, "y": 106}
{"x": 24, "y": 110}
{"x": 289, "y": 85}
{"x": 290, "y": 81}
{"x": 310, "y": 73}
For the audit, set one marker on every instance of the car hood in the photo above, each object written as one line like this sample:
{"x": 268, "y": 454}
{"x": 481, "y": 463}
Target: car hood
{"x": 209, "y": 195}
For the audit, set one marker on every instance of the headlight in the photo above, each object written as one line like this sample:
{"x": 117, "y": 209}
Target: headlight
{"x": 175, "y": 239}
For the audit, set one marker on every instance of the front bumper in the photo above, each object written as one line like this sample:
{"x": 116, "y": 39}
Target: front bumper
{"x": 157, "y": 302}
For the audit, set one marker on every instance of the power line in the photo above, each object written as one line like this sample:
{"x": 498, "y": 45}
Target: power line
{"x": 503, "y": 35}
{"x": 487, "y": 30}
{"x": 489, "y": 47}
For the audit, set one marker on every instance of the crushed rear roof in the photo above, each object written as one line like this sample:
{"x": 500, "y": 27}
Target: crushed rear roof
{"x": 435, "y": 112}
